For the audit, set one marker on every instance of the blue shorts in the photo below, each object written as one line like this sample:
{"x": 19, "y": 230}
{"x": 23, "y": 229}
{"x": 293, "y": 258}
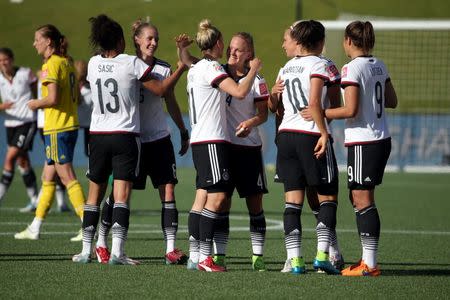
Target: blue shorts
{"x": 59, "y": 147}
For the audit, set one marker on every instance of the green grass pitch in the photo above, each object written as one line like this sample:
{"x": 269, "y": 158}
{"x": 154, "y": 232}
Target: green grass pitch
{"x": 414, "y": 250}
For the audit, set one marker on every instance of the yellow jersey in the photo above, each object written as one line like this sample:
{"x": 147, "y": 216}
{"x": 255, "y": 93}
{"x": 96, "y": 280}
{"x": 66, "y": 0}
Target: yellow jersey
{"x": 64, "y": 115}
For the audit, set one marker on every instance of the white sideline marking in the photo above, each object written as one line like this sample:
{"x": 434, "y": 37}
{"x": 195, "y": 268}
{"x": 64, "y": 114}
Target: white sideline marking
{"x": 272, "y": 225}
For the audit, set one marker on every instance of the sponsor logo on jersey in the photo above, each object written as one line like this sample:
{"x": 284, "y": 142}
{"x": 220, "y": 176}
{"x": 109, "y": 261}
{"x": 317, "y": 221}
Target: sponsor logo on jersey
{"x": 367, "y": 179}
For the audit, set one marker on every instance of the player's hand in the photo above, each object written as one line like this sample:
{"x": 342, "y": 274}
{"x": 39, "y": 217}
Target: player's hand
{"x": 183, "y": 41}
{"x": 306, "y": 114}
{"x": 278, "y": 88}
{"x": 321, "y": 146}
{"x": 243, "y": 130}
{"x": 181, "y": 65}
{"x": 33, "y": 104}
{"x": 7, "y": 104}
{"x": 184, "y": 135}
{"x": 255, "y": 64}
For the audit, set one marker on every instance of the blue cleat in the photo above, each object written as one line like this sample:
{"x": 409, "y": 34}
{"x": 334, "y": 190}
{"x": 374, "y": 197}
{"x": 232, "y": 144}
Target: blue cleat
{"x": 325, "y": 266}
{"x": 298, "y": 265}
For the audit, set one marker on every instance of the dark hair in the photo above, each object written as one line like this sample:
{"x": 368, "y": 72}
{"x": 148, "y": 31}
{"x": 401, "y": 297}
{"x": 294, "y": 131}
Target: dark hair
{"x": 105, "y": 33}
{"x": 207, "y": 35}
{"x": 247, "y": 37}
{"x": 136, "y": 29}
{"x": 59, "y": 41}
{"x": 8, "y": 52}
{"x": 361, "y": 34}
{"x": 308, "y": 33}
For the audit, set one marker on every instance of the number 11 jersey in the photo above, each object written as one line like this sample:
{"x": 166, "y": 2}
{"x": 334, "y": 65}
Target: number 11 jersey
{"x": 115, "y": 93}
{"x": 296, "y": 75}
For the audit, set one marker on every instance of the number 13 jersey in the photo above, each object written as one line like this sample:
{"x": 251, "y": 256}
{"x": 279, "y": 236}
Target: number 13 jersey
{"x": 115, "y": 93}
{"x": 296, "y": 75}
{"x": 370, "y": 75}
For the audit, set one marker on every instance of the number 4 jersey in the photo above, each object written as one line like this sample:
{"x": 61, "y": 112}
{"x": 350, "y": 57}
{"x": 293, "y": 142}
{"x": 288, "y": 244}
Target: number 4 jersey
{"x": 115, "y": 93}
{"x": 296, "y": 75}
{"x": 370, "y": 75}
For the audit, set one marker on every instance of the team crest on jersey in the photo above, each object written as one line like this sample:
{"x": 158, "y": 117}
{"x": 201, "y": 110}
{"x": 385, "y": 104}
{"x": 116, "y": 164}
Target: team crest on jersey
{"x": 225, "y": 175}
{"x": 218, "y": 67}
{"x": 344, "y": 72}
{"x": 263, "y": 88}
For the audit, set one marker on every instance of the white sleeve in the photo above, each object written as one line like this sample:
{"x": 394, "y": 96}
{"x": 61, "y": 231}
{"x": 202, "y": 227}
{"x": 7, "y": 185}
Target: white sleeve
{"x": 349, "y": 75}
{"x": 260, "y": 89}
{"x": 214, "y": 72}
{"x": 318, "y": 70}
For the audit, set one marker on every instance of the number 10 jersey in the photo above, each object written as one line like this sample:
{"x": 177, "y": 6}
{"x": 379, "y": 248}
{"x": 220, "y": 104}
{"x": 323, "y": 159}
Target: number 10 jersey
{"x": 115, "y": 93}
{"x": 296, "y": 75}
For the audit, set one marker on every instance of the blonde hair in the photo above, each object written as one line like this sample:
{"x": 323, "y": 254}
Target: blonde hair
{"x": 207, "y": 35}
{"x": 137, "y": 28}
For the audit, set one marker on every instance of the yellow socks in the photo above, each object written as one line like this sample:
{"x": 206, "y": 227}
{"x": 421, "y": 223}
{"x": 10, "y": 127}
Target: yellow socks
{"x": 76, "y": 197}
{"x": 46, "y": 199}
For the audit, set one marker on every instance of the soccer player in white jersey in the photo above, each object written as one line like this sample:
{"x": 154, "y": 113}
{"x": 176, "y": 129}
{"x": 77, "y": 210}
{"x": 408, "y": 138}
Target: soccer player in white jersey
{"x": 114, "y": 144}
{"x": 247, "y": 166}
{"x": 367, "y": 91}
{"x": 155, "y": 139}
{"x": 17, "y": 87}
{"x": 305, "y": 156}
{"x": 207, "y": 86}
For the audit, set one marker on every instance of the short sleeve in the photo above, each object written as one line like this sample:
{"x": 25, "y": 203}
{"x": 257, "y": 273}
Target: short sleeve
{"x": 318, "y": 70}
{"x": 214, "y": 73}
{"x": 349, "y": 76}
{"x": 260, "y": 89}
{"x": 50, "y": 72}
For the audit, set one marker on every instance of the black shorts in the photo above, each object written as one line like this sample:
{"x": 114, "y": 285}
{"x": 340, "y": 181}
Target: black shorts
{"x": 298, "y": 168}
{"x": 366, "y": 164}
{"x": 212, "y": 163}
{"x": 158, "y": 162}
{"x": 21, "y": 136}
{"x": 113, "y": 153}
{"x": 247, "y": 167}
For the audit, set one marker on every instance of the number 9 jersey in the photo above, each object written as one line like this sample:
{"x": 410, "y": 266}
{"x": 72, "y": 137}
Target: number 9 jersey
{"x": 296, "y": 75}
{"x": 115, "y": 93}
{"x": 369, "y": 124}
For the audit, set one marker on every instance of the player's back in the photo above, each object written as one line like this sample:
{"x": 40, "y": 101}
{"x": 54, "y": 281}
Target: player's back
{"x": 115, "y": 93}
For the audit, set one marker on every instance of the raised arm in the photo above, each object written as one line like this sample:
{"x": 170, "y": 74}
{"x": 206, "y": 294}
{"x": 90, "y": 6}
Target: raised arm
{"x": 158, "y": 87}
{"x": 183, "y": 41}
{"x": 275, "y": 95}
{"x": 240, "y": 90}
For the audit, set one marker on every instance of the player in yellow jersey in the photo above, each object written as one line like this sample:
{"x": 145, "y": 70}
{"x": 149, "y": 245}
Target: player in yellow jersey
{"x": 60, "y": 101}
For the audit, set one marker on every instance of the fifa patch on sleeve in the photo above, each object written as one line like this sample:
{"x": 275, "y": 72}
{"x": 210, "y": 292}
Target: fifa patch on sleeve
{"x": 332, "y": 71}
{"x": 344, "y": 72}
{"x": 263, "y": 89}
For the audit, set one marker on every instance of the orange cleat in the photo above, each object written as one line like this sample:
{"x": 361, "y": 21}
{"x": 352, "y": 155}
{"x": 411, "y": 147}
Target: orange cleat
{"x": 361, "y": 269}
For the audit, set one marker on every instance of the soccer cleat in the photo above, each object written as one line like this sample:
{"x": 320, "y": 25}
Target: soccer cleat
{"x": 81, "y": 258}
{"x": 325, "y": 266}
{"x": 176, "y": 257}
{"x": 258, "y": 263}
{"x": 287, "y": 266}
{"x": 337, "y": 261}
{"x": 298, "y": 265}
{"x": 208, "y": 265}
{"x": 123, "y": 260}
{"x": 361, "y": 269}
{"x": 191, "y": 265}
{"x": 78, "y": 237}
{"x": 29, "y": 208}
{"x": 219, "y": 260}
{"x": 27, "y": 234}
{"x": 102, "y": 254}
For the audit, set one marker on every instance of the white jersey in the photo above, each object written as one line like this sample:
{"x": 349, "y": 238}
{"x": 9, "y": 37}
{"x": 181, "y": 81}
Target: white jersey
{"x": 115, "y": 93}
{"x": 207, "y": 106}
{"x": 369, "y": 124}
{"x": 85, "y": 107}
{"x": 297, "y": 74}
{"x": 239, "y": 110}
{"x": 153, "y": 118}
{"x": 19, "y": 92}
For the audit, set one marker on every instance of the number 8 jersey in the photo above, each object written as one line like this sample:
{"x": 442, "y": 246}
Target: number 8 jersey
{"x": 115, "y": 93}
{"x": 370, "y": 75}
{"x": 296, "y": 75}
